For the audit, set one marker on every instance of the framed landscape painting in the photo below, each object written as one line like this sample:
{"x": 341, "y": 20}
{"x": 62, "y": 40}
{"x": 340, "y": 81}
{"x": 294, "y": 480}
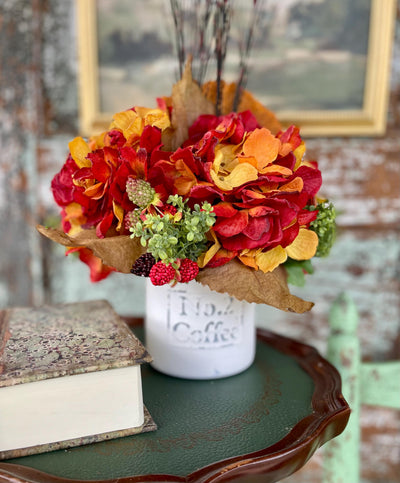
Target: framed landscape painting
{"x": 319, "y": 64}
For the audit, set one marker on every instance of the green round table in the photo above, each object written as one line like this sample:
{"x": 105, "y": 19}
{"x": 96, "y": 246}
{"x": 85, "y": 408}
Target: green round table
{"x": 261, "y": 425}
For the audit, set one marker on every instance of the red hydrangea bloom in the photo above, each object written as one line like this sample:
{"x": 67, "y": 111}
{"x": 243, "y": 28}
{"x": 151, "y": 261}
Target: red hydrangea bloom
{"x": 257, "y": 182}
{"x": 91, "y": 186}
{"x": 97, "y": 181}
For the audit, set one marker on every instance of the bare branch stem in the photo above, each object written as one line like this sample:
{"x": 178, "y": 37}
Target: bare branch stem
{"x": 245, "y": 53}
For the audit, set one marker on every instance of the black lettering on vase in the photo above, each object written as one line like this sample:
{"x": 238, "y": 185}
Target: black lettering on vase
{"x": 182, "y": 305}
{"x": 196, "y": 322}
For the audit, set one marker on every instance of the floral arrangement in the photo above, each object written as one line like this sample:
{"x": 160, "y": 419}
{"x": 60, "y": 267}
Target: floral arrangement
{"x": 177, "y": 193}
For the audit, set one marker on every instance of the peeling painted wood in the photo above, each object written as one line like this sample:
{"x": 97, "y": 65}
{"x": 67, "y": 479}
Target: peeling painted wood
{"x": 363, "y": 383}
{"x": 362, "y": 177}
{"x": 380, "y": 384}
{"x": 341, "y": 456}
{"x": 20, "y": 275}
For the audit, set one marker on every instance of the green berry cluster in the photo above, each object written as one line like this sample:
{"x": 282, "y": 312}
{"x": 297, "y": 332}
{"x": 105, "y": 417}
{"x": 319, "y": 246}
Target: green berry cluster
{"x": 324, "y": 226}
{"x": 175, "y": 235}
{"x": 131, "y": 218}
{"x": 140, "y": 192}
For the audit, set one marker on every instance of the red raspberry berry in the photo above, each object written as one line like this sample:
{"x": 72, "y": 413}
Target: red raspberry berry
{"x": 160, "y": 274}
{"x": 188, "y": 270}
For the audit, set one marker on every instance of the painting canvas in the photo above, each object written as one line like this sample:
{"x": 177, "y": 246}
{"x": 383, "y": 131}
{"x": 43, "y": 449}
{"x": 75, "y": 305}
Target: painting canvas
{"x": 312, "y": 61}
{"x": 135, "y": 51}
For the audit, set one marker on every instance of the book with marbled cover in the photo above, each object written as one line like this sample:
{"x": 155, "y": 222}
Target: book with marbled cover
{"x": 4, "y": 336}
{"x": 52, "y": 341}
{"x": 66, "y": 339}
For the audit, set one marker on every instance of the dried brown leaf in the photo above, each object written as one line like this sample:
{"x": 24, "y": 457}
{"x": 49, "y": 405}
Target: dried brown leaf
{"x": 188, "y": 103}
{"x": 119, "y": 252}
{"x": 245, "y": 283}
{"x": 264, "y": 116}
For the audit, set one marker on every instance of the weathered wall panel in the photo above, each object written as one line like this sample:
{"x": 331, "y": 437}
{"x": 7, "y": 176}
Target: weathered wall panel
{"x": 18, "y": 114}
{"x": 362, "y": 177}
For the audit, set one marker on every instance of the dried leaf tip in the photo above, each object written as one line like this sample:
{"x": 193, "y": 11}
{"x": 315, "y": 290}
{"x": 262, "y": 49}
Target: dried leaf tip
{"x": 188, "y": 103}
{"x": 187, "y": 72}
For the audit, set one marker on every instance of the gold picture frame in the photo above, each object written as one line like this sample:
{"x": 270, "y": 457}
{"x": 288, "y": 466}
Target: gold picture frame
{"x": 369, "y": 120}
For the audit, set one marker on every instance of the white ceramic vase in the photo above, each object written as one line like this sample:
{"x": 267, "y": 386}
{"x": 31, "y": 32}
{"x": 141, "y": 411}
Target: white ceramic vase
{"x": 195, "y": 333}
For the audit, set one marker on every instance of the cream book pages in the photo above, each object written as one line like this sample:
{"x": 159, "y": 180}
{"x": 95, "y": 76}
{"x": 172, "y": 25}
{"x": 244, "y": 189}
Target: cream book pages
{"x": 71, "y": 376}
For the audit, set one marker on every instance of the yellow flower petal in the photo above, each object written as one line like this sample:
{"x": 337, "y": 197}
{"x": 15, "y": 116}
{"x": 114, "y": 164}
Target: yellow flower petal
{"x": 241, "y": 174}
{"x": 186, "y": 179}
{"x": 275, "y": 168}
{"x": 268, "y": 261}
{"x": 73, "y": 210}
{"x": 95, "y": 191}
{"x": 225, "y": 157}
{"x": 75, "y": 228}
{"x": 299, "y": 154}
{"x": 304, "y": 162}
{"x": 79, "y": 150}
{"x": 304, "y": 246}
{"x": 129, "y": 123}
{"x": 75, "y": 216}
{"x": 295, "y": 185}
{"x": 250, "y": 252}
{"x": 263, "y": 146}
{"x": 122, "y": 120}
{"x": 154, "y": 117}
{"x": 248, "y": 257}
{"x": 218, "y": 159}
{"x": 204, "y": 258}
{"x": 119, "y": 213}
{"x": 249, "y": 160}
{"x": 97, "y": 142}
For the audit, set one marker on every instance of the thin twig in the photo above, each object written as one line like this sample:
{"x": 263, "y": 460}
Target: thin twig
{"x": 177, "y": 15}
{"x": 245, "y": 54}
{"x": 222, "y": 23}
{"x": 192, "y": 21}
{"x": 204, "y": 43}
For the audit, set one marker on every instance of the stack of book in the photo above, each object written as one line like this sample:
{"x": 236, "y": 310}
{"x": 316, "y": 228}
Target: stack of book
{"x": 69, "y": 375}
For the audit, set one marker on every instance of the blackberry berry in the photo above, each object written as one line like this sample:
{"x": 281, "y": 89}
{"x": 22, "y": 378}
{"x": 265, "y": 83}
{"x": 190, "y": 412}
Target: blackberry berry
{"x": 143, "y": 265}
